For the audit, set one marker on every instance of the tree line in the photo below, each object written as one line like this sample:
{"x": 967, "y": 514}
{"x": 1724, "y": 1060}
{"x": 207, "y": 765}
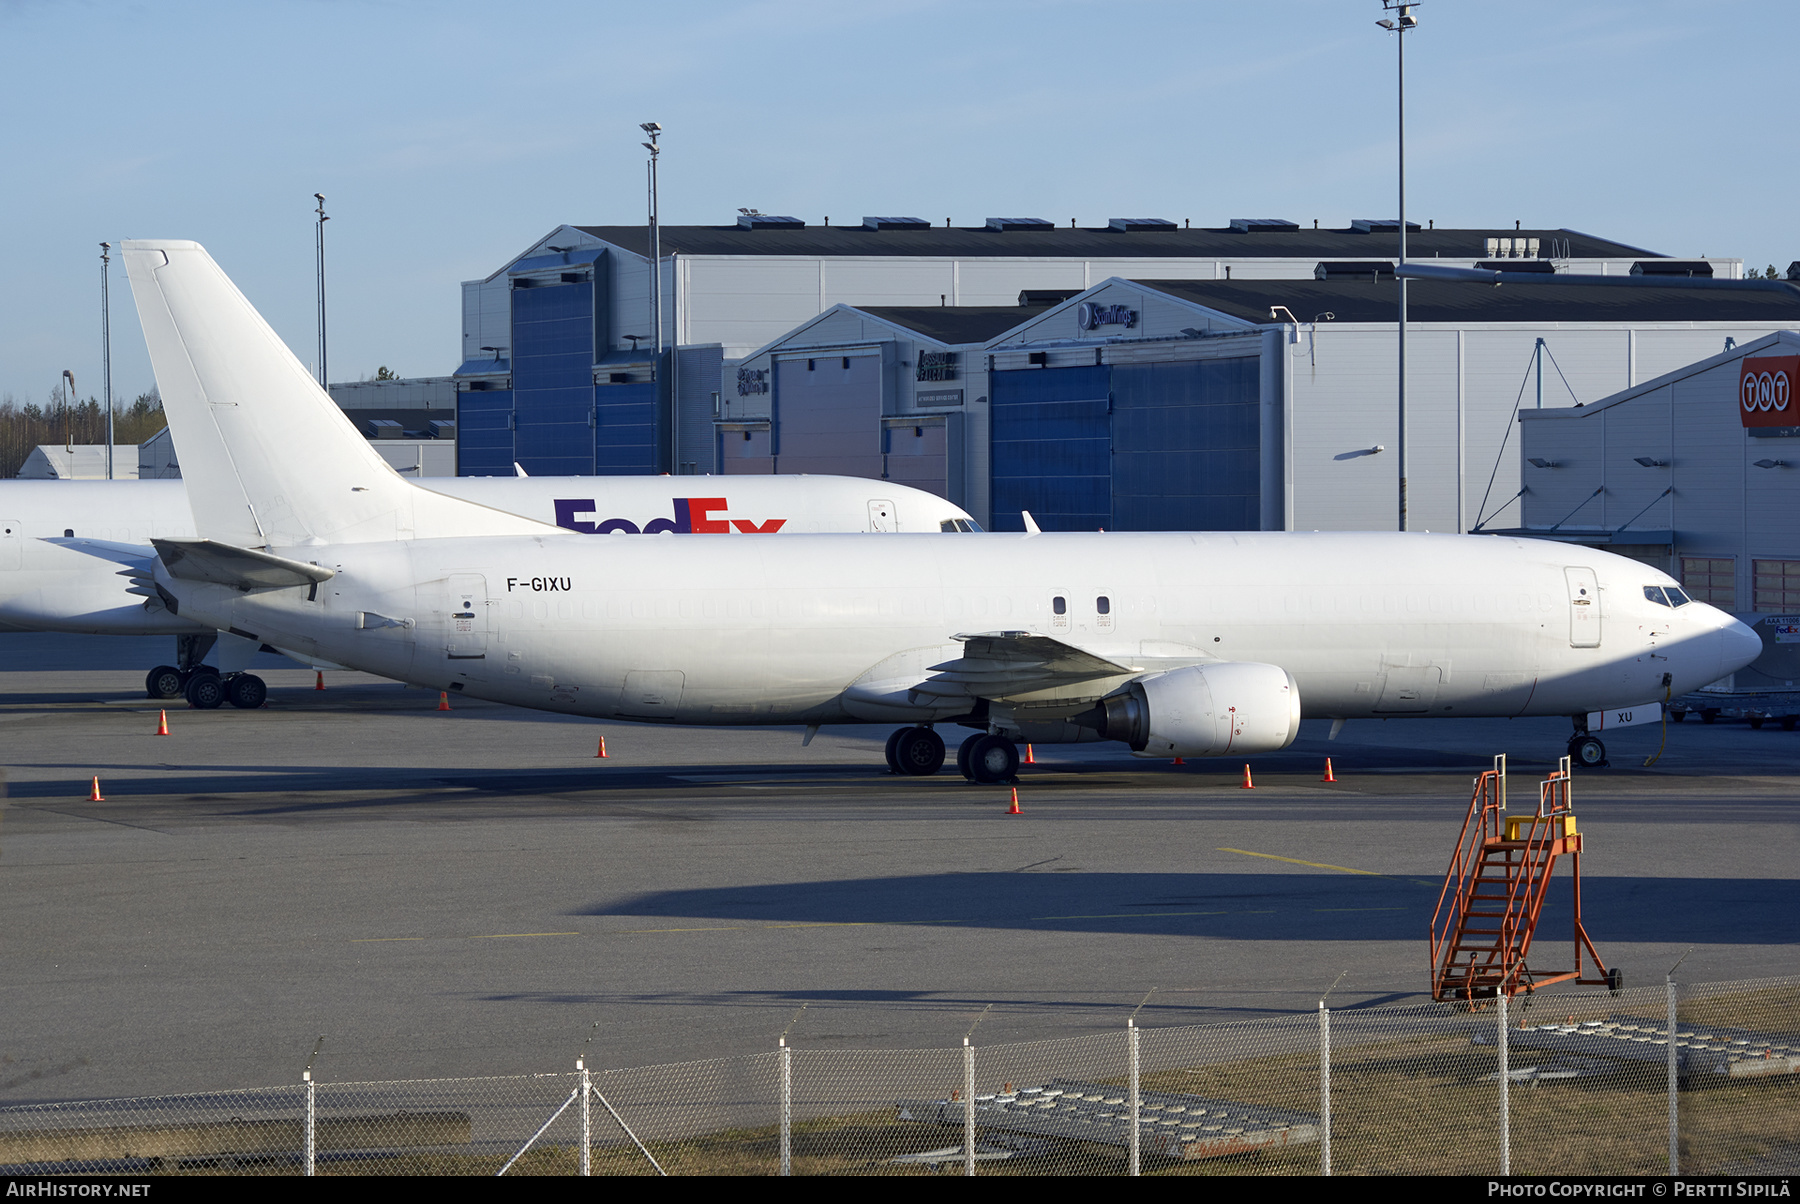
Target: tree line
{"x": 25, "y": 425}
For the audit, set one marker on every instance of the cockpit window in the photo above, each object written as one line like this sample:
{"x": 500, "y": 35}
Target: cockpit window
{"x": 1666, "y": 595}
{"x": 1655, "y": 594}
{"x": 1676, "y": 597}
{"x": 959, "y": 524}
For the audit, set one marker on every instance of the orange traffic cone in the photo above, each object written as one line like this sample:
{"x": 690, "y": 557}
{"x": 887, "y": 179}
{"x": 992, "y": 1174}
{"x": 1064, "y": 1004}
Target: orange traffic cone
{"x": 94, "y": 794}
{"x": 1328, "y": 774}
{"x": 443, "y": 700}
{"x": 162, "y": 723}
{"x": 601, "y": 755}
{"x": 319, "y": 682}
{"x": 1012, "y": 810}
{"x": 1029, "y": 759}
{"x": 1179, "y": 761}
{"x": 1247, "y": 784}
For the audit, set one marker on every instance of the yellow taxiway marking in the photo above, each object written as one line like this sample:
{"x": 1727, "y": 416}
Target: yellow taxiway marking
{"x": 1362, "y": 909}
{"x": 1133, "y": 915}
{"x": 501, "y": 936}
{"x": 376, "y": 940}
{"x": 1317, "y": 865}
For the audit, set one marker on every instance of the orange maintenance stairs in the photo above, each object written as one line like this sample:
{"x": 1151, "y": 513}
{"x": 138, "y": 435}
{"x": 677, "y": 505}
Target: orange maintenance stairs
{"x": 1494, "y": 892}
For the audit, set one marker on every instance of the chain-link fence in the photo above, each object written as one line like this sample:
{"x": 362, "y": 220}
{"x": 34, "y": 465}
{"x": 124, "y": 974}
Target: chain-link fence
{"x": 1698, "y": 1080}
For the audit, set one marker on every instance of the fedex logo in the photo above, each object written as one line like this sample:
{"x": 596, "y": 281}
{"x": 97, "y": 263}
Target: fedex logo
{"x": 693, "y": 516}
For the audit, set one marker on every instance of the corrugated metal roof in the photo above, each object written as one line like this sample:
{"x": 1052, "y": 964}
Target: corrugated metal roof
{"x": 955, "y": 323}
{"x": 1457, "y": 302}
{"x": 1092, "y": 242}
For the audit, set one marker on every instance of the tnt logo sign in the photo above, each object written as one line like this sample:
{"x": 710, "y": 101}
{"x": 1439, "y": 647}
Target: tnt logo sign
{"x": 1765, "y": 390}
{"x": 693, "y": 516}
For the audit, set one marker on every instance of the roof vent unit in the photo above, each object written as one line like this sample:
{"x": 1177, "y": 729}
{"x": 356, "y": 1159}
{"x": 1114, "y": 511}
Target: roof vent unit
{"x": 1543, "y": 267}
{"x": 1134, "y": 225}
{"x": 1259, "y": 225}
{"x": 768, "y": 221}
{"x": 1047, "y": 296}
{"x": 1355, "y": 269}
{"x": 384, "y": 428}
{"x": 1671, "y": 267}
{"x": 1377, "y": 225}
{"x": 442, "y": 429}
{"x": 895, "y": 223}
{"x": 1513, "y": 248}
{"x": 1017, "y": 223}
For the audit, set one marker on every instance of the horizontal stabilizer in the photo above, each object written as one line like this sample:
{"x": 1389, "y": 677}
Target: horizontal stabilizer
{"x": 241, "y": 568}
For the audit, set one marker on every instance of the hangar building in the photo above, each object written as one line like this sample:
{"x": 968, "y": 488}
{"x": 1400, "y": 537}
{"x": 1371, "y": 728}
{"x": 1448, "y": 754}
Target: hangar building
{"x": 1183, "y": 405}
{"x": 556, "y": 369}
{"x": 1697, "y": 472}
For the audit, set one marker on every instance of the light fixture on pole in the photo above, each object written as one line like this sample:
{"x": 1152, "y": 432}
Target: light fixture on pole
{"x": 106, "y": 348}
{"x": 1402, "y": 21}
{"x": 656, "y": 308}
{"x": 323, "y": 218}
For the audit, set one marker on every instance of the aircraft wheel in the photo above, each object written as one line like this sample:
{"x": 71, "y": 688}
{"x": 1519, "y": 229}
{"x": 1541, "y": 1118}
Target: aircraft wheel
{"x": 962, "y": 754}
{"x": 246, "y": 691}
{"x": 1588, "y": 752}
{"x": 994, "y": 759}
{"x": 919, "y": 751}
{"x": 205, "y": 691}
{"x": 1709, "y": 715}
{"x": 164, "y": 681}
{"x": 1677, "y": 716}
{"x": 893, "y": 760}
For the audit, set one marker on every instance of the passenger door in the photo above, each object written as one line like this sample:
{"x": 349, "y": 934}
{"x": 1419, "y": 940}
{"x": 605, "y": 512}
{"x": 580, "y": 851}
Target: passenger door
{"x": 466, "y": 636}
{"x": 1584, "y": 607}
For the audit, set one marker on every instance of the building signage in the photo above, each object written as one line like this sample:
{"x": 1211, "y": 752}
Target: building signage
{"x": 937, "y": 365}
{"x": 1766, "y": 391}
{"x": 1090, "y": 316}
{"x": 752, "y": 381}
{"x": 943, "y": 397}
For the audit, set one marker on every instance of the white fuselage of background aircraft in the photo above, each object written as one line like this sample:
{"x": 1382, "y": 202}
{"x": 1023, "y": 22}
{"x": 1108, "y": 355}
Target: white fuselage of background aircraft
{"x": 100, "y": 527}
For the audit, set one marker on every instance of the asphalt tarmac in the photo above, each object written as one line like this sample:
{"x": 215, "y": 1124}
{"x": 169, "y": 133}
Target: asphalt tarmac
{"x": 470, "y": 893}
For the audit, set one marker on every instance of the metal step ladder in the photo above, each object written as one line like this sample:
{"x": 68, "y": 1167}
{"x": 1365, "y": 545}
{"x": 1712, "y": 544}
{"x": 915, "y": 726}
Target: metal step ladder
{"x": 1494, "y": 893}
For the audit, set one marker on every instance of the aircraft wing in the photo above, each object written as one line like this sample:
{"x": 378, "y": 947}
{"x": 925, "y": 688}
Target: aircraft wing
{"x": 995, "y": 664}
{"x": 228, "y": 564}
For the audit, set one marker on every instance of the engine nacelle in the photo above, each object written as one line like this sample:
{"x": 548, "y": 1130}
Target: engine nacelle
{"x": 1206, "y": 711}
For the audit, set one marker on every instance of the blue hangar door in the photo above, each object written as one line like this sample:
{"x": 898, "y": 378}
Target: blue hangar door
{"x": 1129, "y": 447}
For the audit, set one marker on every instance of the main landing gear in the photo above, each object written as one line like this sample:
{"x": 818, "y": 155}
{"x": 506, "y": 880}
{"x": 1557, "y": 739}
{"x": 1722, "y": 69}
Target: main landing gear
{"x": 919, "y": 752}
{"x": 204, "y": 688}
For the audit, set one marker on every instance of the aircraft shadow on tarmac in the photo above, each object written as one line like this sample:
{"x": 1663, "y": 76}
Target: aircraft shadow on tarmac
{"x": 1247, "y": 906}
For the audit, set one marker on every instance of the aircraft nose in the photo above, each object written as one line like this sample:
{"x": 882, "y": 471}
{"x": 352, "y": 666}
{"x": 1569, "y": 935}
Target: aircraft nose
{"x": 1739, "y": 645}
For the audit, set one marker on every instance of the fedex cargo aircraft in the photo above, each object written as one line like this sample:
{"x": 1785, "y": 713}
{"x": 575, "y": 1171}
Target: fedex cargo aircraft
{"x": 69, "y": 548}
{"x": 1191, "y": 644}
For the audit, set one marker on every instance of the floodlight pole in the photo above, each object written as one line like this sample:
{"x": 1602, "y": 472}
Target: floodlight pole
{"x": 1403, "y": 21}
{"x": 106, "y": 348}
{"x": 654, "y": 130}
{"x": 323, "y": 218}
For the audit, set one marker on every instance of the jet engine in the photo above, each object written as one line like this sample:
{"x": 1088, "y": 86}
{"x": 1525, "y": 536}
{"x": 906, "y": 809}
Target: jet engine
{"x": 1204, "y": 711}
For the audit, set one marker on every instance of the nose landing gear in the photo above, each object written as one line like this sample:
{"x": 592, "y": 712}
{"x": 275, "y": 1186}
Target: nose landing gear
{"x": 1586, "y": 750}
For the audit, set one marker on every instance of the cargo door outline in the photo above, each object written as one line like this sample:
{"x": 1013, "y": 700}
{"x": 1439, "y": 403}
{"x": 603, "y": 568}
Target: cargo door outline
{"x": 651, "y": 693}
{"x": 881, "y": 516}
{"x": 1584, "y": 607}
{"x": 1408, "y": 689}
{"x": 466, "y": 621}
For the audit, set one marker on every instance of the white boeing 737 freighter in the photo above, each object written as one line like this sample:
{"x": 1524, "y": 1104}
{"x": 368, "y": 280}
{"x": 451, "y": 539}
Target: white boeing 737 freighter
{"x": 1199, "y": 644}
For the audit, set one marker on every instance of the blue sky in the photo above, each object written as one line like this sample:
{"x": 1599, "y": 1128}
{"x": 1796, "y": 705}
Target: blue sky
{"x": 447, "y": 136}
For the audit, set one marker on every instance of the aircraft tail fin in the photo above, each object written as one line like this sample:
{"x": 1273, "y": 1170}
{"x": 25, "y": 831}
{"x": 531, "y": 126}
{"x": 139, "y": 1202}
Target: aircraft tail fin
{"x": 268, "y": 458}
